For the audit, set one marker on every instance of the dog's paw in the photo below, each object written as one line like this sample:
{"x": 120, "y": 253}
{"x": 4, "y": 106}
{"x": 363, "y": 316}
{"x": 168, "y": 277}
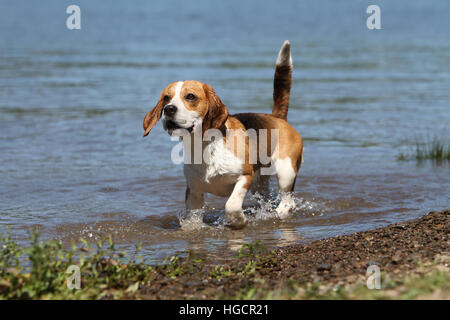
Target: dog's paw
{"x": 286, "y": 207}
{"x": 284, "y": 212}
{"x": 235, "y": 220}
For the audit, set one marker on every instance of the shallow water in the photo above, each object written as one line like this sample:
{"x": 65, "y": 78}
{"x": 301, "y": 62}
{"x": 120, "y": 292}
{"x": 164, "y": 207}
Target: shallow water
{"x": 74, "y": 163}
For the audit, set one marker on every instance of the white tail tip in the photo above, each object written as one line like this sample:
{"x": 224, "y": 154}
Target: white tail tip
{"x": 284, "y": 56}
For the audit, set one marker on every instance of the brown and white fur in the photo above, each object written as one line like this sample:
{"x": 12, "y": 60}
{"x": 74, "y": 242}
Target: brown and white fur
{"x": 194, "y": 107}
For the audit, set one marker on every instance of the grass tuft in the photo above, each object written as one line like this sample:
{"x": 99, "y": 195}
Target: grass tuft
{"x": 436, "y": 150}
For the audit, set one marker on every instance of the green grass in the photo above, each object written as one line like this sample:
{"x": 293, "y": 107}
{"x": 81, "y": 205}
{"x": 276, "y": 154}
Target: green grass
{"x": 219, "y": 272}
{"x": 435, "y": 283}
{"x": 409, "y": 287}
{"x": 435, "y": 149}
{"x": 39, "y": 271}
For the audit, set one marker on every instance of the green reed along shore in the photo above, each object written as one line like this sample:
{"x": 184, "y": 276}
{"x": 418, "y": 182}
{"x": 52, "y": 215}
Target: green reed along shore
{"x": 436, "y": 150}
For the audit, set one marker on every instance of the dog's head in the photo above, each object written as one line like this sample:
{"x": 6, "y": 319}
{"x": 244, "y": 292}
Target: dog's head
{"x": 187, "y": 105}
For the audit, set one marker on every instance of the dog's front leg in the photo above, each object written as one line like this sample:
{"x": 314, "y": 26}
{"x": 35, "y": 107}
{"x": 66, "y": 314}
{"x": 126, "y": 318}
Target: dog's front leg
{"x": 194, "y": 200}
{"x": 235, "y": 218}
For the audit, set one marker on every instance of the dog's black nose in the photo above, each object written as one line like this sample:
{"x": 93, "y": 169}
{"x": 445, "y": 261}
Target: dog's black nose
{"x": 170, "y": 110}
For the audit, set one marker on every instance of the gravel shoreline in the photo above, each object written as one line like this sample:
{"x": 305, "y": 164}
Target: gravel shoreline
{"x": 336, "y": 261}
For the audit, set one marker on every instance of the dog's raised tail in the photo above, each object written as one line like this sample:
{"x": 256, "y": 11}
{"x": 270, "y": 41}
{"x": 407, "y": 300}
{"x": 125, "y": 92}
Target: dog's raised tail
{"x": 282, "y": 82}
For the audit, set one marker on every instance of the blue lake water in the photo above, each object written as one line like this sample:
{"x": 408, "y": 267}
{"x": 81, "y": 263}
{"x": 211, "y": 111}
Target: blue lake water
{"x": 73, "y": 161}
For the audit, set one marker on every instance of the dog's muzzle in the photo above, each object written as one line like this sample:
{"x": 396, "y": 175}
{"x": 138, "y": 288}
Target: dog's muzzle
{"x": 170, "y": 110}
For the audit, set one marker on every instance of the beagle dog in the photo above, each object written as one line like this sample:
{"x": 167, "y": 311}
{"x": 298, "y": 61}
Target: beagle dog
{"x": 191, "y": 109}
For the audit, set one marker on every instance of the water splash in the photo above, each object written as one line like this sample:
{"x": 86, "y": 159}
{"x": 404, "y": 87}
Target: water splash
{"x": 265, "y": 208}
{"x": 291, "y": 206}
{"x": 191, "y": 220}
{"x": 262, "y": 208}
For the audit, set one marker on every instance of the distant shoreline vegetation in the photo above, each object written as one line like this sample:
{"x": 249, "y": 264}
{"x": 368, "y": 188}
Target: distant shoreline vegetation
{"x": 436, "y": 149}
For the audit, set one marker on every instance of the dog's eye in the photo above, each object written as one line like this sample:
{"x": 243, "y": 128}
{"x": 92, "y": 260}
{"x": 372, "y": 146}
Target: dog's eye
{"x": 166, "y": 98}
{"x": 190, "y": 97}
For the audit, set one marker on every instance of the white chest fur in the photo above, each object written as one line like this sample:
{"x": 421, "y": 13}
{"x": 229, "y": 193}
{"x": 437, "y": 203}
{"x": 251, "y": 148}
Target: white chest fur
{"x": 218, "y": 172}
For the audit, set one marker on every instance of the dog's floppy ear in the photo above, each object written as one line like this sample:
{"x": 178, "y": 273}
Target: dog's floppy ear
{"x": 152, "y": 117}
{"x": 217, "y": 112}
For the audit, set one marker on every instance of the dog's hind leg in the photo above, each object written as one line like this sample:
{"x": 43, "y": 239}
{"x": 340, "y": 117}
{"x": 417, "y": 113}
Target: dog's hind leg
{"x": 260, "y": 184}
{"x": 286, "y": 174}
{"x": 194, "y": 200}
